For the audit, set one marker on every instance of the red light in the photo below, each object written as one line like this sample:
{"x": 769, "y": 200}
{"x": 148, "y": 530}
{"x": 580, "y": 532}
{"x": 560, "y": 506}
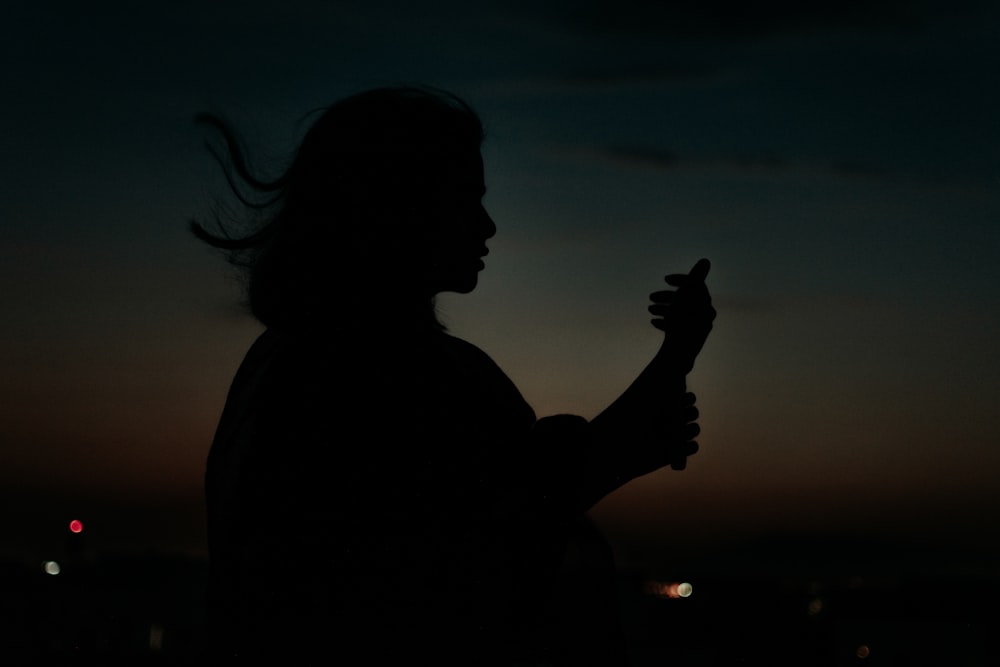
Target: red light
{"x": 76, "y": 526}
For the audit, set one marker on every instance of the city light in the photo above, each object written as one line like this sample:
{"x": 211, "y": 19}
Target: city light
{"x": 815, "y": 606}
{"x": 671, "y": 590}
{"x": 76, "y": 526}
{"x": 155, "y": 637}
{"x": 51, "y": 567}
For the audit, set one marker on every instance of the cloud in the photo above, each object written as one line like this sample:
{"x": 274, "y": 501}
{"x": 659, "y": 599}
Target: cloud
{"x": 735, "y": 19}
{"x": 855, "y": 169}
{"x": 631, "y": 74}
{"x": 653, "y": 157}
{"x": 643, "y": 157}
{"x": 660, "y": 158}
{"x": 603, "y": 77}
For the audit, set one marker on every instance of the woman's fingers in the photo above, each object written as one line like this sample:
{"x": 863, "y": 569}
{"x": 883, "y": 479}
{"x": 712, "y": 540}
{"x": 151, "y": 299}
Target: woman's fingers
{"x": 660, "y": 309}
{"x": 663, "y": 296}
{"x": 680, "y": 462}
{"x": 700, "y": 270}
{"x": 698, "y": 274}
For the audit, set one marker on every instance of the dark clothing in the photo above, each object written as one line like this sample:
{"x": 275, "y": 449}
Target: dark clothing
{"x": 389, "y": 495}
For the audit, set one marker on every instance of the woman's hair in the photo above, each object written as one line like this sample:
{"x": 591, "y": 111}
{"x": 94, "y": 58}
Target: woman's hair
{"x": 356, "y": 191}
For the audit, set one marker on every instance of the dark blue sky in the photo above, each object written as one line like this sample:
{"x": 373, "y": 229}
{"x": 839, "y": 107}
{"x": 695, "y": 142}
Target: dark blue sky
{"x": 840, "y": 166}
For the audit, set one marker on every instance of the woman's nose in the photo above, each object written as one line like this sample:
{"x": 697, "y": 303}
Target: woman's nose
{"x": 487, "y": 226}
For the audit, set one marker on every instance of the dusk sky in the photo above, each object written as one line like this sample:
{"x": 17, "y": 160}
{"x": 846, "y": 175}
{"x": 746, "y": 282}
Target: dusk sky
{"x": 840, "y": 166}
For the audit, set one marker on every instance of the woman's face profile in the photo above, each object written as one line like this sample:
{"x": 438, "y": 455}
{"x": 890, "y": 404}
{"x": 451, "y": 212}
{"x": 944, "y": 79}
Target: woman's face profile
{"x": 459, "y": 227}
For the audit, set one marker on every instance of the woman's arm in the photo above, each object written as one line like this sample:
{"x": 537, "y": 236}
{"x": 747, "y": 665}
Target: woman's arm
{"x": 651, "y": 424}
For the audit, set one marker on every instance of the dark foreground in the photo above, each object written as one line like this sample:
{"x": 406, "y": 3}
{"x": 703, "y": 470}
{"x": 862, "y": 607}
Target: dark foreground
{"x": 776, "y": 602}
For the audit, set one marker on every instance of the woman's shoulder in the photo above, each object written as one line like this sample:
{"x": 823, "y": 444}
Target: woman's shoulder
{"x": 465, "y": 355}
{"x": 478, "y": 369}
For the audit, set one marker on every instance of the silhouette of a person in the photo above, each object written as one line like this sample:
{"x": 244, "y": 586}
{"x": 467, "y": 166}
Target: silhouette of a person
{"x": 377, "y": 488}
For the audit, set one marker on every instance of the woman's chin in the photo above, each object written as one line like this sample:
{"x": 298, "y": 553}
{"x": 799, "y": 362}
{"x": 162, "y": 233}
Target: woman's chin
{"x": 461, "y": 284}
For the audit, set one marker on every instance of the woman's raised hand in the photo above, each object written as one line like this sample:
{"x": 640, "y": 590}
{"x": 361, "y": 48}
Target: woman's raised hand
{"x": 654, "y": 422}
{"x": 685, "y": 315}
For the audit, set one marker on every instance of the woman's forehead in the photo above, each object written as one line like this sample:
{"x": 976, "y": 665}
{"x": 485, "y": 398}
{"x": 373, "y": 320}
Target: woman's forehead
{"x": 464, "y": 170}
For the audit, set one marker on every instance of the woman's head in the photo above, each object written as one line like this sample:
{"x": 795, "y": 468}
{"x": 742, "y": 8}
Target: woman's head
{"x": 384, "y": 193}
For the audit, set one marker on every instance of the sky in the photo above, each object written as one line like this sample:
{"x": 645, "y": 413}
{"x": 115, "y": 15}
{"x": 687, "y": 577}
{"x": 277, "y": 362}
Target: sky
{"x": 839, "y": 164}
